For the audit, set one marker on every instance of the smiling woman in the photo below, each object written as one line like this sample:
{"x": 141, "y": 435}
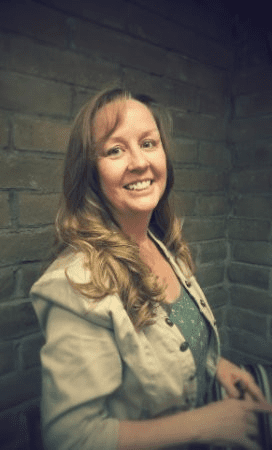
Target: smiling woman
{"x": 132, "y": 350}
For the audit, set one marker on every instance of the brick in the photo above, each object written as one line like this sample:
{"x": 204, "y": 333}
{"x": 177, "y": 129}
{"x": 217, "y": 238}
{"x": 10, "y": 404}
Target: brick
{"x": 185, "y": 151}
{"x": 13, "y": 431}
{"x": 249, "y": 275}
{"x": 251, "y": 181}
{"x": 252, "y": 79}
{"x": 199, "y": 126}
{"x": 210, "y": 275}
{"x": 219, "y": 317}
{"x": 7, "y": 358}
{"x": 20, "y": 171}
{"x": 253, "y": 207}
{"x": 198, "y": 230}
{"x": 27, "y": 94}
{"x": 185, "y": 204}
{"x": 213, "y": 251}
{"x": 251, "y": 344}
{"x": 81, "y": 96}
{"x": 38, "y": 209}
{"x": 249, "y": 230}
{"x": 256, "y": 154}
{"x": 4, "y": 131}
{"x": 117, "y": 47}
{"x": 183, "y": 69}
{"x": 30, "y": 351}
{"x": 251, "y": 299}
{"x": 199, "y": 180}
{"x": 217, "y": 296}
{"x": 212, "y": 103}
{"x": 212, "y": 205}
{"x": 7, "y": 283}
{"x": 4, "y": 210}
{"x": 28, "y": 274}
{"x": 253, "y": 104}
{"x": 35, "y": 20}
{"x": 214, "y": 154}
{"x": 251, "y": 128}
{"x": 20, "y": 387}
{"x": 248, "y": 321}
{"x": 17, "y": 320}
{"x": 253, "y": 252}
{"x": 44, "y": 135}
{"x": 26, "y": 246}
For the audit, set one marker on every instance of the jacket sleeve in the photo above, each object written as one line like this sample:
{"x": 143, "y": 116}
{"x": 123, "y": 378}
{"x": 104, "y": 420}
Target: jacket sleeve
{"x": 81, "y": 368}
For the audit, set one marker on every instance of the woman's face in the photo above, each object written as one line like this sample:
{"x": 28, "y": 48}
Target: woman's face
{"x": 131, "y": 163}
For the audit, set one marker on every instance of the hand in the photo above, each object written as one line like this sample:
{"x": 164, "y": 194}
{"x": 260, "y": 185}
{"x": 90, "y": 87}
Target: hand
{"x": 228, "y": 374}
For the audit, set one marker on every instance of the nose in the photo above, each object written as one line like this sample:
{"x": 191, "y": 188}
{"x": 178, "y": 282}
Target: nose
{"x": 137, "y": 160}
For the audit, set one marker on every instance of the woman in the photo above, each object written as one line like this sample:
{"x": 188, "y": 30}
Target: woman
{"x": 119, "y": 368}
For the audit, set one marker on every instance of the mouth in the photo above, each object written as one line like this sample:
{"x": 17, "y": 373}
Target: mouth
{"x": 139, "y": 185}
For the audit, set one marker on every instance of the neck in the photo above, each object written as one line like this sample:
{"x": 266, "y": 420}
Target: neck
{"x": 136, "y": 227}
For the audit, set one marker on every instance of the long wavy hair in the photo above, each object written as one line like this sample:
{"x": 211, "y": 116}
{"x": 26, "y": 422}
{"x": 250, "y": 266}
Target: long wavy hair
{"x": 85, "y": 222}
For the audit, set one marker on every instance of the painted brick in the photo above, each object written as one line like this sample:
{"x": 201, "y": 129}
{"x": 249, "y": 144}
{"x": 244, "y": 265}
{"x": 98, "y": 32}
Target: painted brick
{"x": 212, "y": 103}
{"x": 254, "y": 104}
{"x": 213, "y": 251}
{"x": 183, "y": 69}
{"x": 253, "y": 252}
{"x": 4, "y": 131}
{"x": 30, "y": 351}
{"x": 251, "y": 344}
{"x": 199, "y": 180}
{"x": 252, "y": 79}
{"x": 249, "y": 230}
{"x": 185, "y": 151}
{"x": 249, "y": 275}
{"x": 19, "y": 387}
{"x": 38, "y": 209}
{"x": 212, "y": 205}
{"x": 255, "y": 207}
{"x": 219, "y": 317}
{"x": 199, "y": 126}
{"x": 210, "y": 275}
{"x": 35, "y": 20}
{"x": 7, "y": 357}
{"x": 251, "y": 299}
{"x": 252, "y": 128}
{"x": 38, "y": 173}
{"x": 256, "y": 154}
{"x": 195, "y": 230}
{"x": 7, "y": 283}
{"x": 217, "y": 296}
{"x": 27, "y": 94}
{"x": 26, "y": 246}
{"x": 4, "y": 210}
{"x": 251, "y": 181}
{"x": 117, "y": 47}
{"x": 17, "y": 320}
{"x": 32, "y": 134}
{"x": 185, "y": 204}
{"x": 81, "y": 96}
{"x": 245, "y": 320}
{"x": 214, "y": 154}
{"x": 28, "y": 274}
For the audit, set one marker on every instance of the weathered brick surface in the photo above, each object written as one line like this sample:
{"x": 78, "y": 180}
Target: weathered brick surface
{"x": 19, "y": 387}
{"x": 249, "y": 275}
{"x": 245, "y": 320}
{"x": 7, "y": 358}
{"x": 4, "y": 210}
{"x": 210, "y": 275}
{"x": 185, "y": 151}
{"x": 80, "y": 97}
{"x": 215, "y": 154}
{"x": 202, "y": 229}
{"x": 212, "y": 205}
{"x": 217, "y": 296}
{"x": 251, "y": 299}
{"x": 199, "y": 126}
{"x": 7, "y": 283}
{"x": 30, "y": 351}
{"x": 44, "y": 135}
{"x": 253, "y": 252}
{"x": 249, "y": 230}
{"x": 38, "y": 209}
{"x": 28, "y": 274}
{"x": 185, "y": 204}
{"x": 257, "y": 153}
{"x": 26, "y": 245}
{"x": 36, "y": 173}
{"x": 252, "y": 181}
{"x": 251, "y": 344}
{"x": 17, "y": 320}
{"x": 199, "y": 180}
{"x": 212, "y": 103}
{"x": 252, "y": 128}
{"x": 4, "y": 131}
{"x": 254, "y": 207}
{"x": 254, "y": 104}
{"x": 28, "y": 94}
{"x": 252, "y": 79}
{"x": 213, "y": 251}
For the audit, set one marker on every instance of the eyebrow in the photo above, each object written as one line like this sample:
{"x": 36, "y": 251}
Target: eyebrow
{"x": 142, "y": 136}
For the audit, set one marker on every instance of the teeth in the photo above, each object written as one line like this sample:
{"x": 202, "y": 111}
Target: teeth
{"x": 138, "y": 186}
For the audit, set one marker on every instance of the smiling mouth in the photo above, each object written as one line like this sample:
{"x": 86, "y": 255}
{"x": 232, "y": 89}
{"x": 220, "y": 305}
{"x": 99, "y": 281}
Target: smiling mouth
{"x": 139, "y": 186}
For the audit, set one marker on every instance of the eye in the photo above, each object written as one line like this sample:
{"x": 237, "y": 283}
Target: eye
{"x": 149, "y": 143}
{"x": 114, "y": 152}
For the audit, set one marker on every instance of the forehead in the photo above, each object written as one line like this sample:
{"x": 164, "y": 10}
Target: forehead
{"x": 122, "y": 113}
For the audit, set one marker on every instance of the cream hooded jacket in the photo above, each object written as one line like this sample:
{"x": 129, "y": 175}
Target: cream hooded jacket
{"x": 98, "y": 370}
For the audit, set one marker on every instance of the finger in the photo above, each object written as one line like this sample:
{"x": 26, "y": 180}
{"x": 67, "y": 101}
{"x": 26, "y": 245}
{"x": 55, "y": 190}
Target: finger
{"x": 254, "y": 390}
{"x": 261, "y": 407}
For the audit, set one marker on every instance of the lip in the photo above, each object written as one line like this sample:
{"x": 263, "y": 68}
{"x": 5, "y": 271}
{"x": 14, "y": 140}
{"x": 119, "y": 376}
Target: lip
{"x": 139, "y": 181}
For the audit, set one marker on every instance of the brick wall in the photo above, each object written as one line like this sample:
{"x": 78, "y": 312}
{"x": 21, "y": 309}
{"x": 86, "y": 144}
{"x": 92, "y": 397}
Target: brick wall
{"x": 53, "y": 56}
